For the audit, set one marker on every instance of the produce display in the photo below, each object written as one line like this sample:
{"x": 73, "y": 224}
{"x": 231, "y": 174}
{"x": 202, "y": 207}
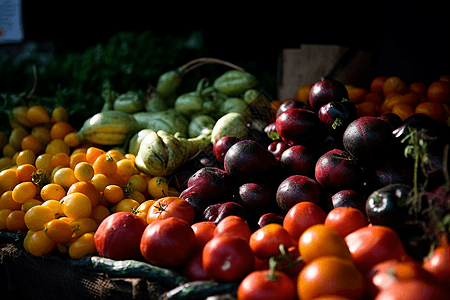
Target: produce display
{"x": 338, "y": 193}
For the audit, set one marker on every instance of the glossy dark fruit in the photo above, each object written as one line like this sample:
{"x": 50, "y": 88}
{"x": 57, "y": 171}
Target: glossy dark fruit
{"x": 288, "y": 105}
{"x": 277, "y": 148}
{"x": 295, "y": 189}
{"x": 386, "y": 206}
{"x": 255, "y": 197}
{"x": 392, "y": 119}
{"x": 214, "y": 182}
{"x": 222, "y": 145}
{"x": 297, "y": 160}
{"x": 368, "y": 139}
{"x": 217, "y": 212}
{"x": 270, "y": 218}
{"x": 349, "y": 198}
{"x": 326, "y": 91}
{"x": 194, "y": 195}
{"x": 336, "y": 116}
{"x": 337, "y": 170}
{"x": 298, "y": 125}
{"x": 248, "y": 161}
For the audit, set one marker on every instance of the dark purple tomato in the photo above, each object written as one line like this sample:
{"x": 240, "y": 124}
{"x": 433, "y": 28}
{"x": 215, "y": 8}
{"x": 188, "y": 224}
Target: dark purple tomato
{"x": 349, "y": 198}
{"x": 392, "y": 119}
{"x": 297, "y": 125}
{"x": 222, "y": 145}
{"x": 288, "y": 105}
{"x": 337, "y": 169}
{"x": 269, "y": 218}
{"x": 298, "y": 160}
{"x": 368, "y": 139}
{"x": 217, "y": 212}
{"x": 336, "y": 116}
{"x": 326, "y": 91}
{"x": 295, "y": 189}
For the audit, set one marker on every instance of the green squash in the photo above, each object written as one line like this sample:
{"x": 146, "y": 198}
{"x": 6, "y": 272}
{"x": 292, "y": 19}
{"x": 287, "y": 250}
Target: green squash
{"x": 200, "y": 125}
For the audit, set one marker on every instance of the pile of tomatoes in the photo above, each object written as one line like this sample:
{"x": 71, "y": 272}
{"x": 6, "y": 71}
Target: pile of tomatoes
{"x": 58, "y": 191}
{"x": 60, "y": 194}
{"x": 391, "y": 94}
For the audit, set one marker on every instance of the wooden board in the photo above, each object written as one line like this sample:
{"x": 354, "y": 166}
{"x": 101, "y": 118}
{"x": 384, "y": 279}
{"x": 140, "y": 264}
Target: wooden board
{"x": 309, "y": 63}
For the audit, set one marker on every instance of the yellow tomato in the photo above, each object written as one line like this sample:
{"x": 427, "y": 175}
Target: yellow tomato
{"x": 82, "y": 246}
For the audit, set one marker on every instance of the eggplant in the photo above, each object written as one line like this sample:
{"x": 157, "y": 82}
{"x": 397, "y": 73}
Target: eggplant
{"x": 386, "y": 206}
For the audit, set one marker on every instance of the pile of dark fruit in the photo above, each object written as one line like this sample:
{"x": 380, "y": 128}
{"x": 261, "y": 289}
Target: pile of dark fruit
{"x": 394, "y": 171}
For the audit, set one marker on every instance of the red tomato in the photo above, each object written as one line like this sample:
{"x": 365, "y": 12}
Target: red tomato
{"x": 291, "y": 264}
{"x": 413, "y": 289}
{"x": 439, "y": 263}
{"x": 373, "y": 244}
{"x": 330, "y": 275}
{"x": 385, "y": 274}
{"x": 193, "y": 269}
{"x": 265, "y": 242}
{"x": 266, "y": 285}
{"x": 171, "y": 207}
{"x": 204, "y": 231}
{"x": 233, "y": 225}
{"x": 227, "y": 258}
{"x": 168, "y": 242}
{"x": 116, "y": 230}
{"x": 302, "y": 216}
{"x": 346, "y": 219}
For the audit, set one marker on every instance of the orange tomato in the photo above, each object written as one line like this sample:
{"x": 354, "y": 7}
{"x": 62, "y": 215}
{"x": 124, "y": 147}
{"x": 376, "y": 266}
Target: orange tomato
{"x": 367, "y": 108}
{"x": 439, "y": 91}
{"x": 58, "y": 230}
{"x": 60, "y": 129}
{"x": 356, "y": 94}
{"x": 37, "y": 216}
{"x": 320, "y": 240}
{"x": 435, "y": 110}
{"x": 86, "y": 188}
{"x": 403, "y": 110}
{"x": 76, "y": 205}
{"x": 15, "y": 221}
{"x": 394, "y": 84}
{"x": 330, "y": 275}
{"x": 105, "y": 164}
{"x": 204, "y": 231}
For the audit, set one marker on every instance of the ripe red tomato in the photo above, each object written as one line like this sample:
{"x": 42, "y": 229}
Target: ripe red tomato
{"x": 320, "y": 240}
{"x": 373, "y": 244}
{"x": 346, "y": 219}
{"x": 265, "y": 242}
{"x": 233, "y": 225}
{"x": 302, "y": 216}
{"x": 193, "y": 269}
{"x": 439, "y": 263}
{"x": 117, "y": 230}
{"x": 168, "y": 242}
{"x": 204, "y": 231}
{"x": 227, "y": 258}
{"x": 385, "y": 274}
{"x": 266, "y": 285}
{"x": 171, "y": 207}
{"x": 413, "y": 289}
{"x": 330, "y": 275}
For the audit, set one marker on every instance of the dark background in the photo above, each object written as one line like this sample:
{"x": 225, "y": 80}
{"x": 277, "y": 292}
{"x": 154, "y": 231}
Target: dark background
{"x": 409, "y": 40}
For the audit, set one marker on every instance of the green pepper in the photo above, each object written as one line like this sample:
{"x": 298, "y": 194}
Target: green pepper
{"x": 234, "y": 82}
